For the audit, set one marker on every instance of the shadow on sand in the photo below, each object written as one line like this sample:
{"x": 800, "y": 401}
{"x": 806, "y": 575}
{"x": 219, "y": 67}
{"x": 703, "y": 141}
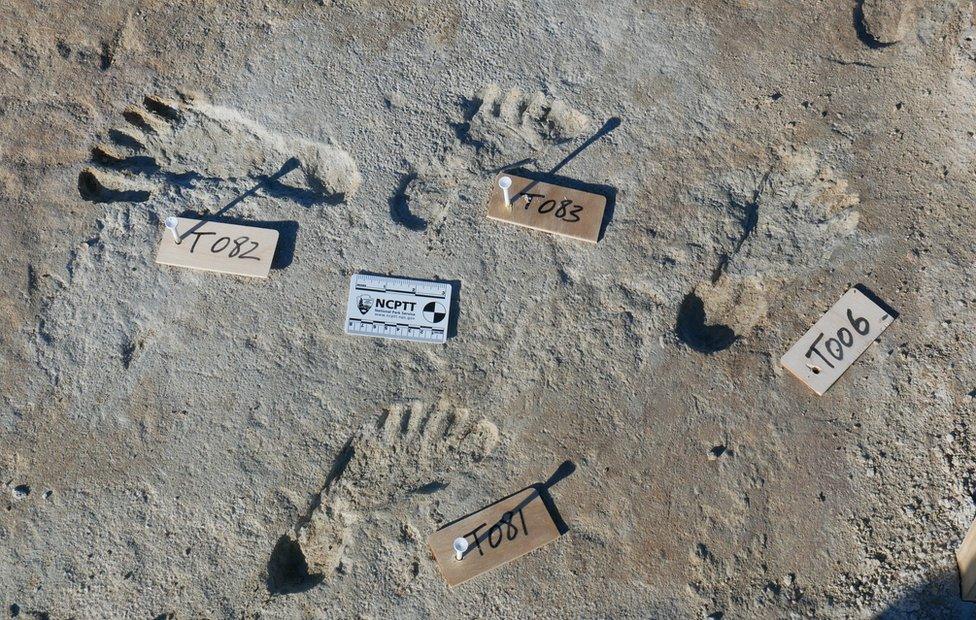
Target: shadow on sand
{"x": 938, "y": 597}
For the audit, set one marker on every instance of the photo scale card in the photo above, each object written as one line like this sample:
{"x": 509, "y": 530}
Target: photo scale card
{"x": 398, "y": 308}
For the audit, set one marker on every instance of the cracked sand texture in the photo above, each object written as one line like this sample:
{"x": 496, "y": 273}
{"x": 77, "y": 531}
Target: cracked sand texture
{"x": 163, "y": 431}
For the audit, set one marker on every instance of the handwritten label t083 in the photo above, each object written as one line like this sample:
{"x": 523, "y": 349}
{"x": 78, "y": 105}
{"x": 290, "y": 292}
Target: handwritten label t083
{"x": 548, "y": 207}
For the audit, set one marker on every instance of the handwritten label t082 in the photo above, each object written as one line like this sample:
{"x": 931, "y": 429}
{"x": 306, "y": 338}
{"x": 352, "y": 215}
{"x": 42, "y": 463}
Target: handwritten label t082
{"x": 214, "y": 246}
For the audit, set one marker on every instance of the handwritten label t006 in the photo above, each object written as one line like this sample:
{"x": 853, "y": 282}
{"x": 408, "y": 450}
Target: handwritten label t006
{"x": 966, "y": 560}
{"x": 841, "y": 335}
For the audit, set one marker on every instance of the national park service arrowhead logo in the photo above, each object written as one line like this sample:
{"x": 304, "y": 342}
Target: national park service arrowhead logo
{"x": 365, "y": 303}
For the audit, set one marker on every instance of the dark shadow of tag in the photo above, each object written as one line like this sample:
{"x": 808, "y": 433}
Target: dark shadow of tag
{"x": 877, "y": 300}
{"x": 563, "y": 471}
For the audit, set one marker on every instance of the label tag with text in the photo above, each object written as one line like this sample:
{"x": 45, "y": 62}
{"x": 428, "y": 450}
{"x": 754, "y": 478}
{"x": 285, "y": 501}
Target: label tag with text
{"x": 841, "y": 335}
{"x": 496, "y": 534}
{"x": 224, "y": 248}
{"x": 547, "y": 207}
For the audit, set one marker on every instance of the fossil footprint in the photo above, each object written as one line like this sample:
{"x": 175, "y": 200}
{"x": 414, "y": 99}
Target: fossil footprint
{"x": 496, "y": 125}
{"x": 788, "y": 224}
{"x": 413, "y": 448}
{"x": 167, "y": 141}
{"x": 534, "y": 118}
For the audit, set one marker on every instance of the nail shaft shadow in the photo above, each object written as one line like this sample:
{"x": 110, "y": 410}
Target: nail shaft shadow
{"x": 288, "y": 166}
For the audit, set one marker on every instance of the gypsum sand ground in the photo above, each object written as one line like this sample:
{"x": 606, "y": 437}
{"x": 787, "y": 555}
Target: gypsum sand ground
{"x": 165, "y": 435}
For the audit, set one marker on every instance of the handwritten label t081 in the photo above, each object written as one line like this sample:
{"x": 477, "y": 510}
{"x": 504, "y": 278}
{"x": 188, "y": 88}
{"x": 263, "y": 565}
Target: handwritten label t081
{"x": 496, "y": 534}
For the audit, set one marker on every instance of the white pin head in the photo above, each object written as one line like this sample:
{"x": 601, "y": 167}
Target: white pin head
{"x": 173, "y": 225}
{"x": 505, "y": 183}
{"x": 460, "y": 546}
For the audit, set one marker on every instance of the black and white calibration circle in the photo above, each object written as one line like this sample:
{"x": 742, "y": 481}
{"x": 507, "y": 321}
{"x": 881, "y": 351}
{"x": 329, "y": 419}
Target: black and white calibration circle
{"x": 434, "y": 312}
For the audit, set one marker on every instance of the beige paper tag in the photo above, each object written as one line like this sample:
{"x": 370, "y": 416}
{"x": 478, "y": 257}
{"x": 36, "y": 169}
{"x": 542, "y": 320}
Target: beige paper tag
{"x": 225, "y": 248}
{"x": 496, "y": 534}
{"x": 966, "y": 559}
{"x": 550, "y": 208}
{"x": 841, "y": 335}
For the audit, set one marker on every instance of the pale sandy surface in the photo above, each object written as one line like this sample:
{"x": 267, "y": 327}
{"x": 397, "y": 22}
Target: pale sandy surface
{"x": 164, "y": 434}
